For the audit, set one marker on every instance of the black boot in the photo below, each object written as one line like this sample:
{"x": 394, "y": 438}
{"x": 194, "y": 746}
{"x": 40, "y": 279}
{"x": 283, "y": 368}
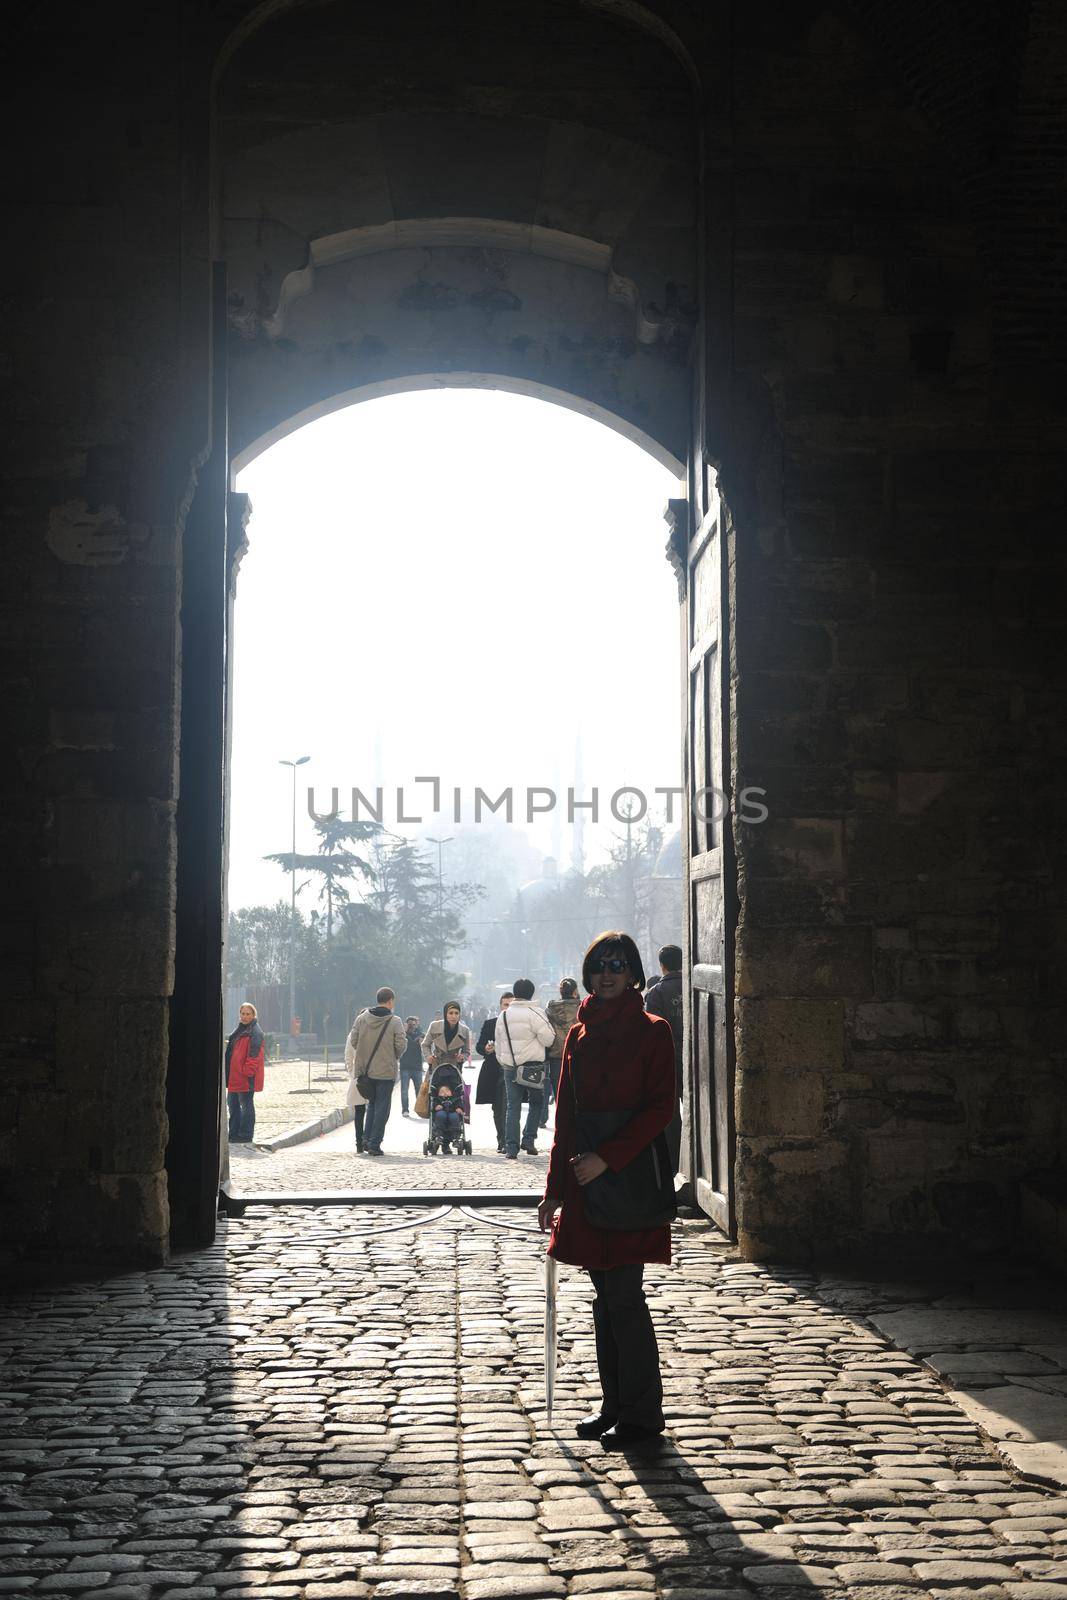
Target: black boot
{"x": 592, "y": 1427}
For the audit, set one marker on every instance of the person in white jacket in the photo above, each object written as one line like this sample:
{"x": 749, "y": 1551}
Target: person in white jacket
{"x": 522, "y": 1035}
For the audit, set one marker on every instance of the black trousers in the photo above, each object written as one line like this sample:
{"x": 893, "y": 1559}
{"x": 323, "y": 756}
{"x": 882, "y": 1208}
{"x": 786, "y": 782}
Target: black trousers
{"x": 359, "y": 1118}
{"x": 627, "y": 1355}
{"x": 500, "y": 1112}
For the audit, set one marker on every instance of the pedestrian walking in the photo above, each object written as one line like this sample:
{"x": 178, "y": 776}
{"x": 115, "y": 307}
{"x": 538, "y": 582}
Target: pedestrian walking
{"x": 245, "y": 1059}
{"x": 491, "y": 1089}
{"x": 618, "y": 1075}
{"x": 353, "y": 1098}
{"x": 378, "y": 1040}
{"x": 663, "y": 998}
{"x": 561, "y": 1013}
{"x": 522, "y": 1035}
{"x": 410, "y": 1063}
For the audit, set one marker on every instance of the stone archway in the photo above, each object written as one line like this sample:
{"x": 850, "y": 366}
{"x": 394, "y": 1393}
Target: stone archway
{"x": 529, "y": 240}
{"x": 457, "y": 380}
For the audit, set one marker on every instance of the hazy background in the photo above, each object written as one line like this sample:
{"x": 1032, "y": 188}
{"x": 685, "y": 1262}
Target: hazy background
{"x": 455, "y": 582}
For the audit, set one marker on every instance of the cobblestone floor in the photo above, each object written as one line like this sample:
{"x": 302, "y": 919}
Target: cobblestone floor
{"x": 313, "y": 1411}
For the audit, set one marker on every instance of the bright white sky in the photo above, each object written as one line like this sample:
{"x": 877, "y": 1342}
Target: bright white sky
{"x": 449, "y": 582}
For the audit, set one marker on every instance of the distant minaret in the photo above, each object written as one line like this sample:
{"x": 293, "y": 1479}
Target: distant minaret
{"x": 578, "y": 835}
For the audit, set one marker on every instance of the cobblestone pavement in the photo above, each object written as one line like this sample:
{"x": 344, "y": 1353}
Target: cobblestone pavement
{"x": 331, "y": 1163}
{"x": 314, "y": 1411}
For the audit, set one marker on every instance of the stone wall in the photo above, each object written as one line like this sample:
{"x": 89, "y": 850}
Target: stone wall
{"x": 504, "y": 210}
{"x": 98, "y": 464}
{"x": 899, "y": 1065}
{"x": 889, "y": 444}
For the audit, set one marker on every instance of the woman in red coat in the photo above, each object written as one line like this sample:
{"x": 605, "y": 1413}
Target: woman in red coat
{"x": 616, "y": 1057}
{"x": 244, "y": 1074}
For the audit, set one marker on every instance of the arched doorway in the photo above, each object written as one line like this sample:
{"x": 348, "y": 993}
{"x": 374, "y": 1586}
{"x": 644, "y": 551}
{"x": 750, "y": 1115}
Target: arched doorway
{"x": 511, "y": 627}
{"x": 540, "y": 238}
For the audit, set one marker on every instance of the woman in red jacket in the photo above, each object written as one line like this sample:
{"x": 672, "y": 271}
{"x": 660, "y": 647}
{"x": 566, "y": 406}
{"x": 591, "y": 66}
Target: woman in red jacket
{"x": 244, "y": 1074}
{"x": 616, "y": 1057}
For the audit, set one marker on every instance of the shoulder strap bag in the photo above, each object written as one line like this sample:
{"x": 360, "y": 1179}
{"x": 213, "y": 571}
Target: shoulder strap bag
{"x": 642, "y": 1194}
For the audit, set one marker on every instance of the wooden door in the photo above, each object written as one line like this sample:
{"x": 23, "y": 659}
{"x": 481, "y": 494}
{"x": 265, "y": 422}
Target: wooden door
{"x": 194, "y": 1072}
{"x": 709, "y": 880}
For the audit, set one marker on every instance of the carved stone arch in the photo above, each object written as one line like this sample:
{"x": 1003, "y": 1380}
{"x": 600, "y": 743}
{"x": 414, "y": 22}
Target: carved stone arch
{"x": 456, "y": 380}
{"x": 668, "y": 23}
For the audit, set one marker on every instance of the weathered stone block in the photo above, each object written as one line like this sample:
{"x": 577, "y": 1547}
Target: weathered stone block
{"x": 958, "y": 934}
{"x": 787, "y": 903}
{"x": 885, "y": 847}
{"x": 867, "y": 691}
{"x": 940, "y": 975}
{"x": 774, "y": 645}
{"x": 916, "y": 792}
{"x": 782, "y": 739}
{"x": 856, "y": 282}
{"x": 782, "y": 845}
{"x": 803, "y": 961}
{"x": 899, "y": 1021}
{"x": 791, "y": 1034}
{"x": 780, "y": 1105}
{"x": 801, "y": 791}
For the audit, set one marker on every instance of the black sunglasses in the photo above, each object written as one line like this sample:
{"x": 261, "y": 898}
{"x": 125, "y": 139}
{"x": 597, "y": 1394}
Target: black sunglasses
{"x": 608, "y": 964}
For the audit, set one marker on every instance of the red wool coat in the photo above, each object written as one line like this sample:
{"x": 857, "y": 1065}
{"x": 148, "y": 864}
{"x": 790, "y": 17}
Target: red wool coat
{"x": 619, "y": 1057}
{"x": 245, "y": 1071}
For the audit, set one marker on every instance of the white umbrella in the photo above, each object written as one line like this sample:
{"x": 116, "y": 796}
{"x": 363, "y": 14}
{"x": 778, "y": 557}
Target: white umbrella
{"x": 551, "y": 1274}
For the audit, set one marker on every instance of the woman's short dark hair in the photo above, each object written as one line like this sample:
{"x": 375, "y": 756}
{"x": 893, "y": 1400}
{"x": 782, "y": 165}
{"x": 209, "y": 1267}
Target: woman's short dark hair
{"x": 524, "y": 989}
{"x": 568, "y": 988}
{"x": 602, "y": 945}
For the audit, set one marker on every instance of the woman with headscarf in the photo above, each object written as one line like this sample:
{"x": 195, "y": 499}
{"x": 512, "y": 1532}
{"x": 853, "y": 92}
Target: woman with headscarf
{"x": 617, "y": 1060}
{"x": 447, "y": 1038}
{"x": 245, "y": 1058}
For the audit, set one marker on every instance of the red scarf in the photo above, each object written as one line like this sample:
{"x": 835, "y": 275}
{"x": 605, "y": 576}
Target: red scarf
{"x": 604, "y": 1022}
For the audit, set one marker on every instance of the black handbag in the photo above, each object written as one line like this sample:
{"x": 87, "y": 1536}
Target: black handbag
{"x": 528, "y": 1074}
{"x": 642, "y": 1194}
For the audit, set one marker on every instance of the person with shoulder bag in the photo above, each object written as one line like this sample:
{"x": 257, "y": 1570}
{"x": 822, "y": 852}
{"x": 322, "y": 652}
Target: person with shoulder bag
{"x": 561, "y": 1013}
{"x": 609, "y": 1198}
{"x": 522, "y": 1035}
{"x": 377, "y": 1040}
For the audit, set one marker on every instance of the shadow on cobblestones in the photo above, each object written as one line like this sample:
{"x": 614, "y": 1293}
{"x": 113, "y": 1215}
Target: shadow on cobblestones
{"x": 315, "y": 1411}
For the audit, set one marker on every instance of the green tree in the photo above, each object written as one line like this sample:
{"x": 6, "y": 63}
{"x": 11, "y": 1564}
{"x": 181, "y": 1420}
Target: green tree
{"x": 623, "y": 883}
{"x": 257, "y": 946}
{"x": 335, "y": 865}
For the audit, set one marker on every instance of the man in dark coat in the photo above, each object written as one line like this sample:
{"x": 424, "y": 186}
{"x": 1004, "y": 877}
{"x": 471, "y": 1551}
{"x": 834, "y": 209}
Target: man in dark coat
{"x": 491, "y": 1089}
{"x": 663, "y": 998}
{"x": 411, "y": 1068}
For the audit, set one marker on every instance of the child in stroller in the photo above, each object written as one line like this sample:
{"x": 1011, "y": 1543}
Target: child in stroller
{"x": 447, "y": 1112}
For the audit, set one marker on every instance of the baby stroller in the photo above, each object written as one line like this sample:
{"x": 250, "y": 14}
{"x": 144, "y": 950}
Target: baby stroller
{"x": 449, "y": 1113}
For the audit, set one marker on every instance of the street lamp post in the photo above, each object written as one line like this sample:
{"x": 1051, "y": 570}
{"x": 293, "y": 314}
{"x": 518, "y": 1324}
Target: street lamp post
{"x": 440, "y": 843}
{"x": 299, "y": 762}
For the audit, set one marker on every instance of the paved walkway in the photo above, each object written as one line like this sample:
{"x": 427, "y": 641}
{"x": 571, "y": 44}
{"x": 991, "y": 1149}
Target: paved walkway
{"x": 313, "y": 1410}
{"x": 330, "y": 1163}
